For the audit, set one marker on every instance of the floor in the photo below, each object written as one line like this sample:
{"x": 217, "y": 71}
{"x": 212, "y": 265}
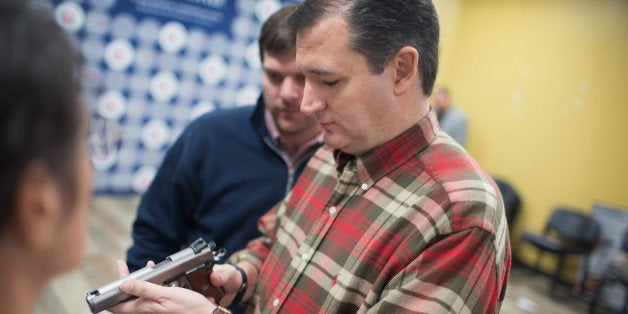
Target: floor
{"x": 110, "y": 221}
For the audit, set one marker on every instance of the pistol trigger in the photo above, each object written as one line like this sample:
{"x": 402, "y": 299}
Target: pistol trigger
{"x": 182, "y": 282}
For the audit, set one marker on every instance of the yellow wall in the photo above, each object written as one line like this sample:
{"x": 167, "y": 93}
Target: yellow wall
{"x": 545, "y": 87}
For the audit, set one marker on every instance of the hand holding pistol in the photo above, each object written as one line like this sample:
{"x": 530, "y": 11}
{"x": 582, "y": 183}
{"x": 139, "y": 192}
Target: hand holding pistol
{"x": 189, "y": 268}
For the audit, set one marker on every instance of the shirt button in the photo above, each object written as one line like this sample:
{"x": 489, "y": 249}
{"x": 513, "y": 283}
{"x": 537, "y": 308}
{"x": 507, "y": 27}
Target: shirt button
{"x": 332, "y": 210}
{"x": 364, "y": 186}
{"x": 275, "y": 302}
{"x": 304, "y": 257}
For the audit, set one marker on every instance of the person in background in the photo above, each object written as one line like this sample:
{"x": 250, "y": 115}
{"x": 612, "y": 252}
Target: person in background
{"x": 45, "y": 171}
{"x": 229, "y": 167}
{"x": 450, "y": 117}
{"x": 391, "y": 215}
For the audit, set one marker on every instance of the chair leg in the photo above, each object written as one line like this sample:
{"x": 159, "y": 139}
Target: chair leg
{"x": 538, "y": 259}
{"x": 582, "y": 286}
{"x": 625, "y": 299}
{"x": 596, "y": 296}
{"x": 556, "y": 277}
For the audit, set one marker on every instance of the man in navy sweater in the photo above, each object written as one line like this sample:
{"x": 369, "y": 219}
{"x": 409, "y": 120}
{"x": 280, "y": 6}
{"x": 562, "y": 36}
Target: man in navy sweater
{"x": 229, "y": 167}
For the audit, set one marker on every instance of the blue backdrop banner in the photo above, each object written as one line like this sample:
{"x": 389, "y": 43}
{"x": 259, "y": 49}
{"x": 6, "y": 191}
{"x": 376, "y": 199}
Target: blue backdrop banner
{"x": 151, "y": 66}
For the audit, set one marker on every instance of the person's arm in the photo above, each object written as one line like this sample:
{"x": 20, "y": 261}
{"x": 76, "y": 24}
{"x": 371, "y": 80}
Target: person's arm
{"x": 249, "y": 260}
{"x": 159, "y": 227}
{"x": 456, "y": 274}
{"x": 154, "y": 298}
{"x": 232, "y": 281}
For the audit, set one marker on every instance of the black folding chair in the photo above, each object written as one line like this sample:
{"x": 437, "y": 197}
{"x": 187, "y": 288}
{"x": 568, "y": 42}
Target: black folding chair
{"x": 568, "y": 232}
{"x": 614, "y": 273}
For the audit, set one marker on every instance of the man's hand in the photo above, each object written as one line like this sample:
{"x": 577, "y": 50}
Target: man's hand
{"x": 154, "y": 298}
{"x": 230, "y": 280}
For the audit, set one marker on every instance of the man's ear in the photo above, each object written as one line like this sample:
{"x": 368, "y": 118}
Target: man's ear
{"x": 37, "y": 207}
{"x": 406, "y": 65}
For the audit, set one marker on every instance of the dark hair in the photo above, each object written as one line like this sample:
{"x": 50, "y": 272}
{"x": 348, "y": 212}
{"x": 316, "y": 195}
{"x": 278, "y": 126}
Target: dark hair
{"x": 380, "y": 28}
{"x": 277, "y": 36}
{"x": 40, "y": 111}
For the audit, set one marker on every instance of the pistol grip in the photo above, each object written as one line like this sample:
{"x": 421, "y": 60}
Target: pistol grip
{"x": 199, "y": 282}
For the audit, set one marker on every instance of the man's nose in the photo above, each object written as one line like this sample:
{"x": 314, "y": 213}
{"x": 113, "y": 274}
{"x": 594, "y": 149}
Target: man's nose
{"x": 290, "y": 90}
{"x": 311, "y": 103}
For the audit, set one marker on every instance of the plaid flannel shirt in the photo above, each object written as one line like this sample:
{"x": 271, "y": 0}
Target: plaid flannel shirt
{"x": 414, "y": 225}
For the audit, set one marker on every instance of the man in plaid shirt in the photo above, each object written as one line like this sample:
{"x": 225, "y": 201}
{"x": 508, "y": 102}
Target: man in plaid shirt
{"x": 391, "y": 215}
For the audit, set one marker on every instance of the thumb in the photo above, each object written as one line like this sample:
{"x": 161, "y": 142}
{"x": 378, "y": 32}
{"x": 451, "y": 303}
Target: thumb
{"x": 123, "y": 269}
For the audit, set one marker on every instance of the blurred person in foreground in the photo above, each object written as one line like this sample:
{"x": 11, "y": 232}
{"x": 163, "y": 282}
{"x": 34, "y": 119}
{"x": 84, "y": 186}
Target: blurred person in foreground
{"x": 391, "y": 215}
{"x": 45, "y": 172}
{"x": 451, "y": 118}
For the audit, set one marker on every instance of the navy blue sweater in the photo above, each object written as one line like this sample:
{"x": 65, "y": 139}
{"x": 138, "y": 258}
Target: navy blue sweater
{"x": 217, "y": 179}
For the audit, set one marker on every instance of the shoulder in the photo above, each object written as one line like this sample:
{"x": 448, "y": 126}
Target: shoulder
{"x": 216, "y": 126}
{"x": 222, "y": 119}
{"x": 446, "y": 161}
{"x": 467, "y": 190}
{"x": 225, "y": 115}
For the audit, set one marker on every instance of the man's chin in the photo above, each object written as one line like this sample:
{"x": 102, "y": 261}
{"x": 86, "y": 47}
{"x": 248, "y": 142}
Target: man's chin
{"x": 292, "y": 127}
{"x": 332, "y": 140}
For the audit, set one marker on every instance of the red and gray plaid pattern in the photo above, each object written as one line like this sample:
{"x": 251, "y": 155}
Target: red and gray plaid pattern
{"x": 413, "y": 226}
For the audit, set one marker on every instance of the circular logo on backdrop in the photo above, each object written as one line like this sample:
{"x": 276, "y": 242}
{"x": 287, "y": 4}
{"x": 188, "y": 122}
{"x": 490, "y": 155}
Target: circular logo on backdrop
{"x": 172, "y": 37}
{"x": 97, "y": 23}
{"x": 212, "y": 70}
{"x": 119, "y": 54}
{"x": 164, "y": 86}
{"x": 112, "y": 105}
{"x": 155, "y": 134}
{"x": 70, "y": 16}
{"x": 266, "y": 8}
{"x": 142, "y": 178}
{"x": 123, "y": 26}
{"x": 247, "y": 95}
{"x": 104, "y": 141}
{"x": 251, "y": 55}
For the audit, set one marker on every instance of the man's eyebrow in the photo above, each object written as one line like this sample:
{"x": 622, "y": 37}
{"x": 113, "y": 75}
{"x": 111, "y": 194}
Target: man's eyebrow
{"x": 317, "y": 71}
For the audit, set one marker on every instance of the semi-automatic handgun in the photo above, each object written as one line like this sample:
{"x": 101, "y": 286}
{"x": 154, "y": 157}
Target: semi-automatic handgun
{"x": 188, "y": 268}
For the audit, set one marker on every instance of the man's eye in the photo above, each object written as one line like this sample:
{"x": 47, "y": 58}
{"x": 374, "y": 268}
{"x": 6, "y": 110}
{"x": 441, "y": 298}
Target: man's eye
{"x": 275, "y": 78}
{"x": 300, "y": 79}
{"x": 330, "y": 83}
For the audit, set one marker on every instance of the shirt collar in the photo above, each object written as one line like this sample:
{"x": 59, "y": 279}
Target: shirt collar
{"x": 380, "y": 161}
{"x": 292, "y": 154}
{"x": 270, "y": 125}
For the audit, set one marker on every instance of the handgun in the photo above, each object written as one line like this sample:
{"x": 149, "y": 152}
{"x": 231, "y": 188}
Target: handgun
{"x": 189, "y": 268}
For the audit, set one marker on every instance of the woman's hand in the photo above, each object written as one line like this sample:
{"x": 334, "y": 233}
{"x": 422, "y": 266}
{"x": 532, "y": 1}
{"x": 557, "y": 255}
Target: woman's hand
{"x": 154, "y": 298}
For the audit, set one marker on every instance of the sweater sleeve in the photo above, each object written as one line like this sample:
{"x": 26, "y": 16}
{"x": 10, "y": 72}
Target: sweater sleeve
{"x": 159, "y": 227}
{"x": 257, "y": 250}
